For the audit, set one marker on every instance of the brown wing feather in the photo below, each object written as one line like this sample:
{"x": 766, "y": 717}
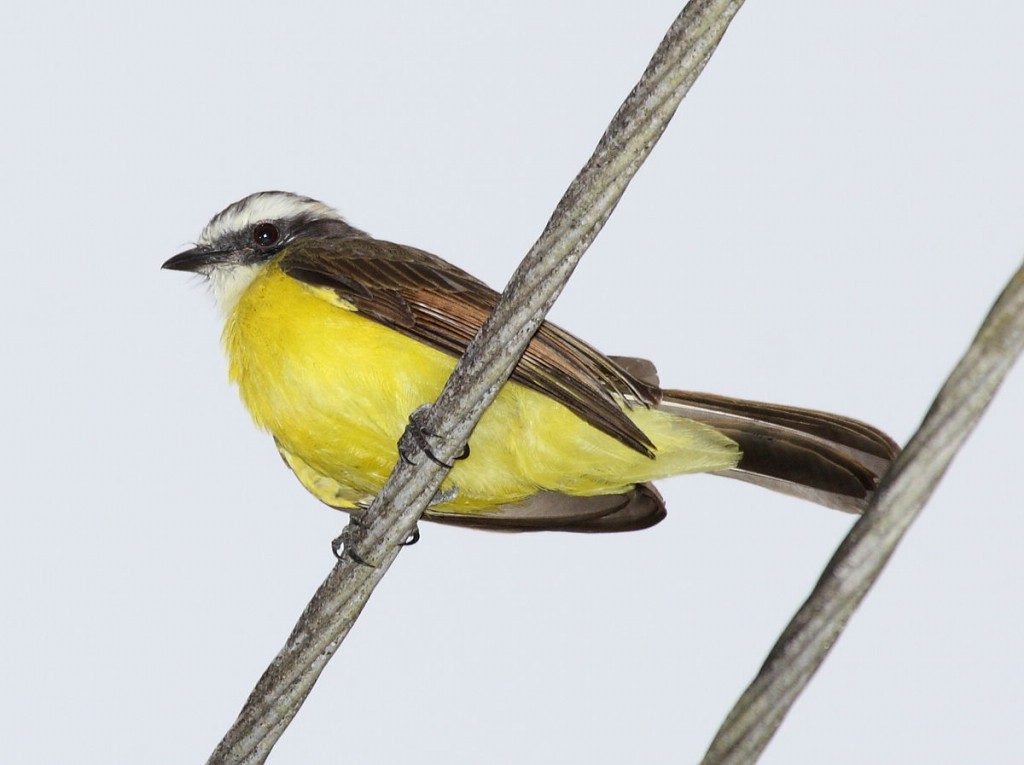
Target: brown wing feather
{"x": 637, "y": 509}
{"x": 430, "y": 300}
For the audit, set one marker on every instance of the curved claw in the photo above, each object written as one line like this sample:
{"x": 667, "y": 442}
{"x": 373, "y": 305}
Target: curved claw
{"x": 345, "y": 543}
{"x": 421, "y": 438}
{"x": 413, "y": 538}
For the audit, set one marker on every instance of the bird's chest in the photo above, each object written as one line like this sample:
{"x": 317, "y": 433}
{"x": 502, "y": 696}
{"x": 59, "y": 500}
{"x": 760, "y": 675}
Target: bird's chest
{"x": 331, "y": 385}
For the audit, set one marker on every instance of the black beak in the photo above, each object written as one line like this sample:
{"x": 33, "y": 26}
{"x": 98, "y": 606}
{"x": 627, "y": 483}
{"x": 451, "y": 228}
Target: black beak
{"x": 197, "y": 259}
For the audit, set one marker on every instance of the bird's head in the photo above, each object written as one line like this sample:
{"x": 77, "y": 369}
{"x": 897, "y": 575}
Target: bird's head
{"x": 243, "y": 238}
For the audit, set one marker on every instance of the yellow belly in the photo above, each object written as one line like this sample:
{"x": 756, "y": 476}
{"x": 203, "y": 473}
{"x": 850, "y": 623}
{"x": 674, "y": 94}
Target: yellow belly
{"x": 336, "y": 390}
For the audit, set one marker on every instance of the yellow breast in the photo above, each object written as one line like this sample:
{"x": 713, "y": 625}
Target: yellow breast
{"x": 336, "y": 390}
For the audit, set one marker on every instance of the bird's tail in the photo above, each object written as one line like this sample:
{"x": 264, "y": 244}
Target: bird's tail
{"x": 831, "y": 460}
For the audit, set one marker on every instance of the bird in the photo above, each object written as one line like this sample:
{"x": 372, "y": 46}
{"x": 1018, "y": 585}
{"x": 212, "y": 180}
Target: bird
{"x": 334, "y": 338}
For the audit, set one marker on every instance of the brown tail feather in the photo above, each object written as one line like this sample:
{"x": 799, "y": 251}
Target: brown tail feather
{"x": 831, "y": 460}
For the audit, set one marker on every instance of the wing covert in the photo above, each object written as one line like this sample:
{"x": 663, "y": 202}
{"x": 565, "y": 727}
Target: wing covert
{"x": 426, "y": 298}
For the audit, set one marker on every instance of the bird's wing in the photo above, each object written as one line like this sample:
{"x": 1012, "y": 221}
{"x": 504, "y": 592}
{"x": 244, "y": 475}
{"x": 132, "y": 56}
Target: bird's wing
{"x": 434, "y": 302}
{"x": 638, "y": 508}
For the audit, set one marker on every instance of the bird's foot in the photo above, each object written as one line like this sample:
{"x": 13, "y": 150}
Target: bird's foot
{"x": 353, "y": 535}
{"x": 351, "y": 538}
{"x": 417, "y": 436}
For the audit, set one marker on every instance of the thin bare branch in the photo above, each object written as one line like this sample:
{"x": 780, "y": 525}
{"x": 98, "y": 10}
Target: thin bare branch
{"x": 488, "y": 362}
{"x": 861, "y": 557}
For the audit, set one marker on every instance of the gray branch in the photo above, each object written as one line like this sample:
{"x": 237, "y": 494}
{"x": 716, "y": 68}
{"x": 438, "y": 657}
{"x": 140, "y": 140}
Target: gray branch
{"x": 488, "y": 362}
{"x": 861, "y": 557}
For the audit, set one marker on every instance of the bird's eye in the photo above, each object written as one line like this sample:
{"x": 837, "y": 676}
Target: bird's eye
{"x": 265, "y": 234}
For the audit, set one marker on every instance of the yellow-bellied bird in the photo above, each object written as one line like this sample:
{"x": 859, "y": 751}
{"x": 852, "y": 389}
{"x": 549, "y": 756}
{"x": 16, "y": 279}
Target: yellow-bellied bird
{"x": 334, "y": 338}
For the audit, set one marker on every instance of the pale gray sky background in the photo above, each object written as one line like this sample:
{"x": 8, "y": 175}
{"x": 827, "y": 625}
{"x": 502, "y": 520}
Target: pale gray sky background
{"x": 824, "y": 224}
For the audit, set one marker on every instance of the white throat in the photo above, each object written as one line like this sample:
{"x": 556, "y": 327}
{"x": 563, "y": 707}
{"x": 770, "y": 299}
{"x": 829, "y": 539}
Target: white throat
{"x": 228, "y": 282}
